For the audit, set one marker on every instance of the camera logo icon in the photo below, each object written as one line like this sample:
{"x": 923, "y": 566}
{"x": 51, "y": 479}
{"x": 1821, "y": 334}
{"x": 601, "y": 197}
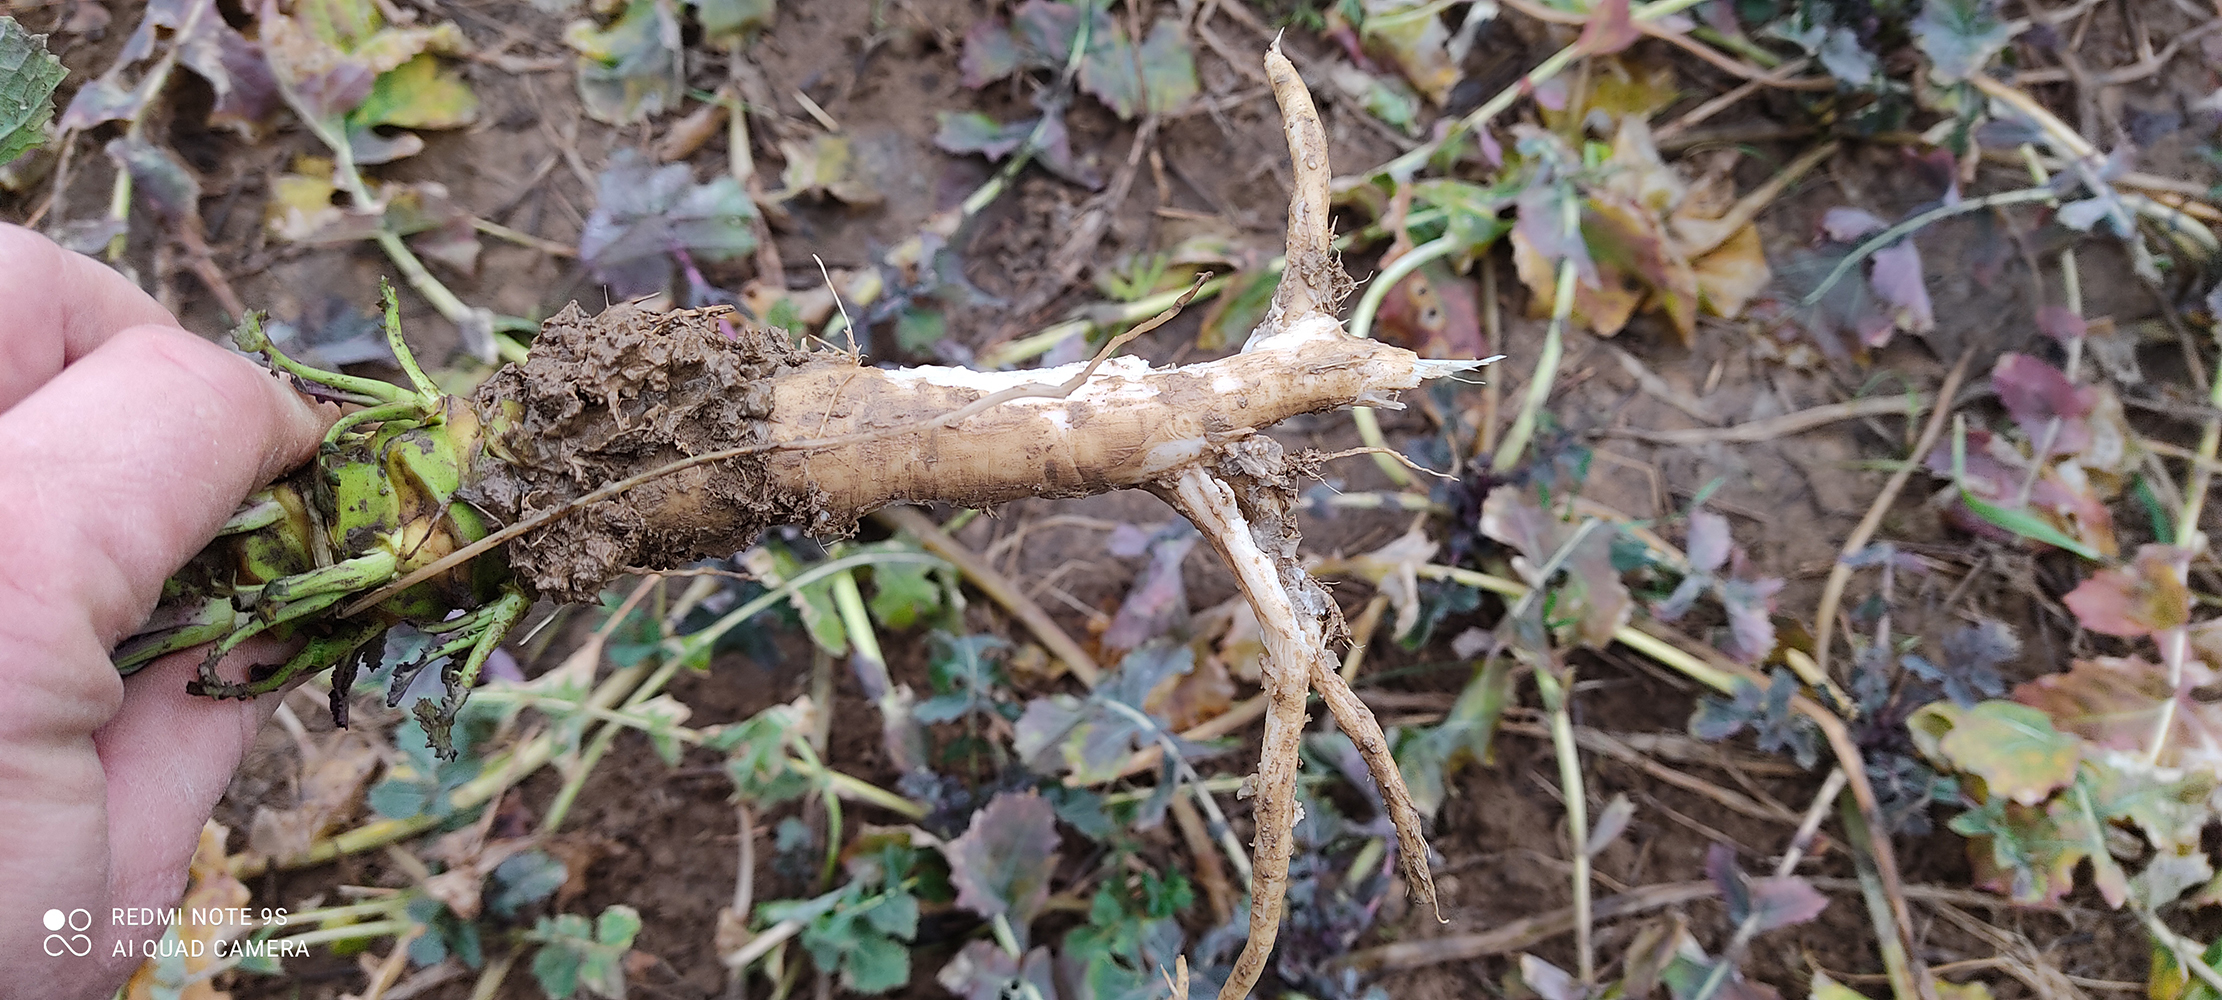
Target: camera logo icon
{"x": 76, "y": 942}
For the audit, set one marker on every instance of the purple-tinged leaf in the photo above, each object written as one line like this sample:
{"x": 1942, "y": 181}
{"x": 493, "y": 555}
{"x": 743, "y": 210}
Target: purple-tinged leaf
{"x": 983, "y": 971}
{"x": 1897, "y": 279}
{"x": 158, "y": 178}
{"x": 1749, "y": 603}
{"x": 1002, "y": 864}
{"x": 2035, "y": 394}
{"x": 1610, "y": 28}
{"x": 990, "y": 54}
{"x": 1785, "y": 900}
{"x": 102, "y": 100}
{"x": 1960, "y": 36}
{"x": 321, "y": 82}
{"x": 1540, "y": 221}
{"x": 2134, "y": 601}
{"x": 2062, "y": 323}
{"x": 973, "y": 132}
{"x": 1844, "y": 225}
{"x": 1158, "y": 603}
{"x": 1044, "y": 32}
{"x": 1709, "y": 541}
{"x": 645, "y": 213}
{"x": 1728, "y": 879}
{"x": 1508, "y": 517}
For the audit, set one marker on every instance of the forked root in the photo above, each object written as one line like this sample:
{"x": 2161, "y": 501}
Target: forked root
{"x": 1242, "y": 497}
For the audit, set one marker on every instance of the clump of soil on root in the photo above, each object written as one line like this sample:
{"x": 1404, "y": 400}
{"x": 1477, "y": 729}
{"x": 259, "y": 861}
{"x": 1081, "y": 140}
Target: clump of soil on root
{"x": 607, "y": 397}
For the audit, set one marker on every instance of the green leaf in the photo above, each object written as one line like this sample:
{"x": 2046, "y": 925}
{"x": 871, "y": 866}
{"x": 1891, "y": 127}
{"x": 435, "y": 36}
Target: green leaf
{"x": 773, "y": 564}
{"x": 1238, "y": 310}
{"x": 918, "y": 329}
{"x": 417, "y": 94}
{"x": 2013, "y": 748}
{"x": 728, "y": 20}
{"x": 963, "y": 674}
{"x": 973, "y": 132}
{"x": 2031, "y": 852}
{"x": 524, "y": 879}
{"x": 28, "y": 76}
{"x": 1002, "y": 864}
{"x": 2171, "y": 981}
{"x": 902, "y": 593}
{"x": 633, "y": 69}
{"x": 1427, "y": 757}
{"x": 574, "y": 953}
{"x": 1168, "y": 67}
{"x": 1473, "y": 214}
{"x": 1092, "y": 737}
{"x": 1960, "y": 36}
{"x": 758, "y": 765}
{"x": 644, "y": 212}
{"x": 896, "y": 915}
{"x": 874, "y": 964}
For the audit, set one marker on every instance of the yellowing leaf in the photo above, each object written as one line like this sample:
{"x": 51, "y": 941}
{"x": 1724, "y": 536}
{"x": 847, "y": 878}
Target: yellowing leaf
{"x": 2013, "y": 748}
{"x": 210, "y": 888}
{"x": 1409, "y": 34}
{"x": 633, "y": 69}
{"x": 2121, "y": 703}
{"x": 1604, "y": 307}
{"x": 417, "y": 94}
{"x": 1728, "y": 277}
{"x": 301, "y": 202}
{"x": 827, "y": 163}
{"x": 1196, "y": 697}
{"x": 333, "y": 773}
{"x": 2134, "y": 601}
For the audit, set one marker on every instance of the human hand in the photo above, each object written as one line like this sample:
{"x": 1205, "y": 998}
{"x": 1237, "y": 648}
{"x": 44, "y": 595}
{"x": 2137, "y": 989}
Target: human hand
{"x": 124, "y": 443}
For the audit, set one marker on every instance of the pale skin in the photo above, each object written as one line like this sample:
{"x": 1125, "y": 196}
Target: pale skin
{"x": 125, "y": 441}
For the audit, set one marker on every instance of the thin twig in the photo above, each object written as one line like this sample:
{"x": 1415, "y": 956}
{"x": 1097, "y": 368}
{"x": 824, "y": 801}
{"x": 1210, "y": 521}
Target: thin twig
{"x": 998, "y": 587}
{"x": 1523, "y": 933}
{"x": 1840, "y": 574}
{"x": 1782, "y": 426}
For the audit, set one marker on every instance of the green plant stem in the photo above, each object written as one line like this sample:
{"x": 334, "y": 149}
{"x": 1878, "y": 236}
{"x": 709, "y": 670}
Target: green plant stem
{"x": 1900, "y": 231}
{"x": 1555, "y": 699}
{"x": 1896, "y": 963}
{"x": 2187, "y": 952}
{"x": 496, "y": 972}
{"x": 1361, "y": 325}
{"x": 390, "y": 906}
{"x": 1111, "y": 314}
{"x": 477, "y": 325}
{"x": 871, "y": 665}
{"x": 1407, "y": 166}
{"x": 1185, "y": 773}
{"x": 1546, "y": 372}
{"x": 350, "y": 932}
{"x": 2175, "y": 642}
{"x": 510, "y": 767}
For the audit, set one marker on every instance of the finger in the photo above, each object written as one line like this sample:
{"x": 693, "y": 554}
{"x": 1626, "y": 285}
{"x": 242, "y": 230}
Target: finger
{"x": 60, "y": 306}
{"x": 124, "y": 465}
{"x": 168, "y": 757}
